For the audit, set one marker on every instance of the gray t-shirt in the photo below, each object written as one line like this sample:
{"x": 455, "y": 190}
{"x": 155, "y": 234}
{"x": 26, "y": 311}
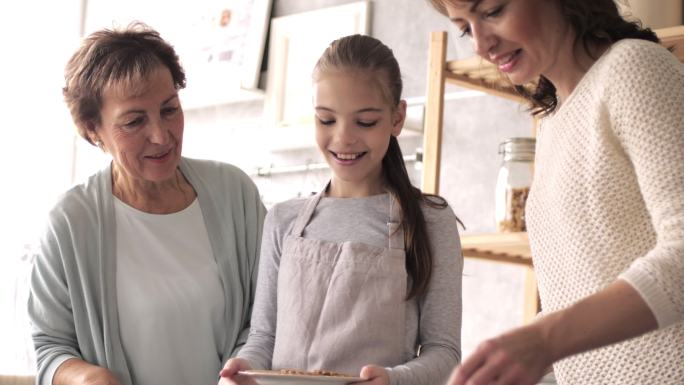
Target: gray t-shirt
{"x": 433, "y": 320}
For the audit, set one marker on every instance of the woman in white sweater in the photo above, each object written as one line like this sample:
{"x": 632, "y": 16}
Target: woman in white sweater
{"x": 606, "y": 210}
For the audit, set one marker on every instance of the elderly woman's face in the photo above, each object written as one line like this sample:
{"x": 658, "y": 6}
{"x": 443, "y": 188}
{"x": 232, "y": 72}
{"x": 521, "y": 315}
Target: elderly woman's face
{"x": 521, "y": 37}
{"x": 143, "y": 131}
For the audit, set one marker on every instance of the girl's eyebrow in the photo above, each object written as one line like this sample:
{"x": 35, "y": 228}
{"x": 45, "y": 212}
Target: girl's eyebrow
{"x": 369, "y": 109}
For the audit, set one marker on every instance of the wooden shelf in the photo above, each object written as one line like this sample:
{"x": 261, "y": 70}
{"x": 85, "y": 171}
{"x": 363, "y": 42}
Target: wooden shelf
{"x": 498, "y": 247}
{"x": 9, "y": 379}
{"x": 511, "y": 248}
{"x": 479, "y": 74}
{"x": 673, "y": 37}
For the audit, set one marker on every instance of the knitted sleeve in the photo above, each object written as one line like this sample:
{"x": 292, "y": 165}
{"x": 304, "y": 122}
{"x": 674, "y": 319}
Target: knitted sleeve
{"x": 645, "y": 99}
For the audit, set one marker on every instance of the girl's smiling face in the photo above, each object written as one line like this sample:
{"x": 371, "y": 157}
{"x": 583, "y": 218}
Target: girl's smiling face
{"x": 354, "y": 123}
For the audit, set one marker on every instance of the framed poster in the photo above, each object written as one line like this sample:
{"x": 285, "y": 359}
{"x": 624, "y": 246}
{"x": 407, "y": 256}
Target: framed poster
{"x": 220, "y": 42}
{"x": 296, "y": 43}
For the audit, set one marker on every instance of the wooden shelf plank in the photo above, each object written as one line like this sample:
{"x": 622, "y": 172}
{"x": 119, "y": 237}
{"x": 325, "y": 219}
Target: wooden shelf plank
{"x": 434, "y": 113}
{"x": 489, "y": 87}
{"x": 495, "y": 238}
{"x": 478, "y": 74}
{"x": 499, "y": 247}
{"x": 671, "y": 33}
{"x": 673, "y": 37}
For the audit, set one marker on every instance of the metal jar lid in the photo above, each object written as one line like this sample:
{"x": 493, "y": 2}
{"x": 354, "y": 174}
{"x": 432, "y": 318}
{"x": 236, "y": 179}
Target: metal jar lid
{"x": 518, "y": 149}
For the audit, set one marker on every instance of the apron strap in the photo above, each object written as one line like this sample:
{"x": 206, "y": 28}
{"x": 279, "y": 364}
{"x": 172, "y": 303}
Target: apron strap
{"x": 396, "y": 230}
{"x": 306, "y": 213}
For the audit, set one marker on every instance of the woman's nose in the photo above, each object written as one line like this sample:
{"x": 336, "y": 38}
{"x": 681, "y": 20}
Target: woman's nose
{"x": 483, "y": 40}
{"x": 158, "y": 133}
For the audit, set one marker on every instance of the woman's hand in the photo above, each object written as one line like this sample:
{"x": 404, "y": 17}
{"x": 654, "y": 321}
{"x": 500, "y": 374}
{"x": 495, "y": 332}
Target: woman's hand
{"x": 522, "y": 355}
{"x": 373, "y": 375}
{"x": 229, "y": 373}
{"x": 76, "y": 371}
{"x": 519, "y": 357}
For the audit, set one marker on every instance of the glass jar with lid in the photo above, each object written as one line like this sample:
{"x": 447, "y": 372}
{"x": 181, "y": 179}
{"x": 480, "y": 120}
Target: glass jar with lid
{"x": 513, "y": 183}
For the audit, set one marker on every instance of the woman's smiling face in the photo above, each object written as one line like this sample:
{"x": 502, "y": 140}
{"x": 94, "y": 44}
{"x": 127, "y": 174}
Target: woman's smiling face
{"x": 523, "y": 38}
{"x": 142, "y": 128}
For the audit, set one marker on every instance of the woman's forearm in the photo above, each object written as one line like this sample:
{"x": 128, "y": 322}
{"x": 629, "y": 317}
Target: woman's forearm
{"x": 615, "y": 314}
{"x": 75, "y": 371}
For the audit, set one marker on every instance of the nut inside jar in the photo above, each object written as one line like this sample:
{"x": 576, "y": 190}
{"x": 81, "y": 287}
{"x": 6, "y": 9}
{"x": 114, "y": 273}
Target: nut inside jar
{"x": 514, "y": 219}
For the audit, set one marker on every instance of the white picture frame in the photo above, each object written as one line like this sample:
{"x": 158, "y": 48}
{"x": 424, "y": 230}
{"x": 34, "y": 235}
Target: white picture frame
{"x": 295, "y": 44}
{"x": 220, "y": 43}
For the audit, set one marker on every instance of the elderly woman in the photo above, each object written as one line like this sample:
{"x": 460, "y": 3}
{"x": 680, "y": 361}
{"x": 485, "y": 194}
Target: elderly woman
{"x": 147, "y": 270}
{"x": 606, "y": 210}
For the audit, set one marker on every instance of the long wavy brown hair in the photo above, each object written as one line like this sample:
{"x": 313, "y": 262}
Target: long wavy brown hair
{"x": 595, "y": 23}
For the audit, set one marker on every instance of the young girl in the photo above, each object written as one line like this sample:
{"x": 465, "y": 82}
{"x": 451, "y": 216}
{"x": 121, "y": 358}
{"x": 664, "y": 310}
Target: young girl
{"x": 359, "y": 277}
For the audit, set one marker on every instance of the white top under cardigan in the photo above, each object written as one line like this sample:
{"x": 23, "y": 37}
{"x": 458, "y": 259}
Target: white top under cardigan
{"x": 169, "y": 297}
{"x": 607, "y": 202}
{"x": 72, "y": 304}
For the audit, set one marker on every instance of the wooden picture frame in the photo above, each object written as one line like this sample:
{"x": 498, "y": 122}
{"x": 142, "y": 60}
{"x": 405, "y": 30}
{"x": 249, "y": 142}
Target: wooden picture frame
{"x": 296, "y": 43}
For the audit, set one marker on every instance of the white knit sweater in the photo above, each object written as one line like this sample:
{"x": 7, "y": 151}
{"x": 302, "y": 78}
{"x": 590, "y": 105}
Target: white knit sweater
{"x": 607, "y": 203}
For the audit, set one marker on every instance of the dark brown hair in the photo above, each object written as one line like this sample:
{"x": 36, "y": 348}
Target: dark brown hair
{"x": 595, "y": 23}
{"x": 114, "y": 57}
{"x": 365, "y": 53}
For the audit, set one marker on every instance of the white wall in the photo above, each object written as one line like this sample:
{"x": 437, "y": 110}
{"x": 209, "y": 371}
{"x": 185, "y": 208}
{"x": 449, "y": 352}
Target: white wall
{"x": 35, "y": 150}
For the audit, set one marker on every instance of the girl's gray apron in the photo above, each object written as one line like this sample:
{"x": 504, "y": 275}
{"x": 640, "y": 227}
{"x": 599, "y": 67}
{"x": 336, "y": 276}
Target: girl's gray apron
{"x": 340, "y": 305}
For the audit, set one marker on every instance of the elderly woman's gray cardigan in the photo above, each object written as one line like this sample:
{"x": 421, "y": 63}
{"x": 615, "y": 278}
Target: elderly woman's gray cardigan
{"x": 73, "y": 306}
